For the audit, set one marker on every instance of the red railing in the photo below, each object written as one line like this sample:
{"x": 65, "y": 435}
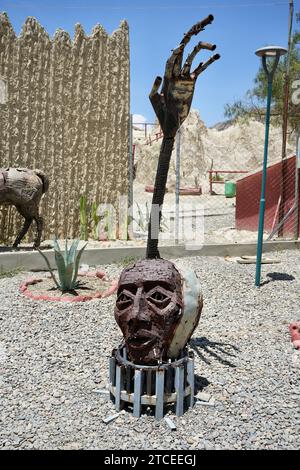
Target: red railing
{"x": 158, "y": 135}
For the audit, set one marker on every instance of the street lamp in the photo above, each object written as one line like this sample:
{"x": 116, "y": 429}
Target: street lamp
{"x": 274, "y": 53}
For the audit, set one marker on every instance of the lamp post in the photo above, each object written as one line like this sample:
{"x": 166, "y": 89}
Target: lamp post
{"x": 274, "y": 53}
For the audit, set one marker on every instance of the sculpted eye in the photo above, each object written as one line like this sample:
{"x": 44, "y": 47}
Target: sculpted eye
{"x": 123, "y": 301}
{"x": 158, "y": 296}
{"x": 159, "y": 299}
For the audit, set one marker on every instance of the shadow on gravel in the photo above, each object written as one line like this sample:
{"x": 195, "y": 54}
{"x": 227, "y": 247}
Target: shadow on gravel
{"x": 200, "y": 383}
{"x": 9, "y": 249}
{"x": 213, "y": 349}
{"x": 278, "y": 277}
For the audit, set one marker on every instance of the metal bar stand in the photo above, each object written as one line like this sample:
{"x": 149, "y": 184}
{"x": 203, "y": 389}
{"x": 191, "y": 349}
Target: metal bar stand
{"x": 169, "y": 383}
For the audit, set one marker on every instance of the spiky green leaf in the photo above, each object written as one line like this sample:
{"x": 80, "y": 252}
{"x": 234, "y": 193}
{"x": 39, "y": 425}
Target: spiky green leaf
{"x": 69, "y": 277}
{"x": 76, "y": 266}
{"x": 72, "y": 251}
{"x": 61, "y": 267}
{"x": 56, "y": 246}
{"x": 66, "y": 251}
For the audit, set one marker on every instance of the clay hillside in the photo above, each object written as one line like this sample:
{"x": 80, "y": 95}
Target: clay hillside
{"x": 237, "y": 146}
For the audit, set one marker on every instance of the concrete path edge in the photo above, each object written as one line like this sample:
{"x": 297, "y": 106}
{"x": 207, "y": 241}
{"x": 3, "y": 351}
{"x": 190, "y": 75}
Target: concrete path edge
{"x": 32, "y": 260}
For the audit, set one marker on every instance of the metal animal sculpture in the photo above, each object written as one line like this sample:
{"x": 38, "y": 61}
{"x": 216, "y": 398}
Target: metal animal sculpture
{"x": 172, "y": 106}
{"x": 24, "y": 188}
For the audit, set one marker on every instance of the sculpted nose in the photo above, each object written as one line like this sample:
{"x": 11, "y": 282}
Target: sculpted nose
{"x": 139, "y": 302}
{"x": 140, "y": 311}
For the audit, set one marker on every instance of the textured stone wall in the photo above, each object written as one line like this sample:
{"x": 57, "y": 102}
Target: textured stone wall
{"x": 66, "y": 112}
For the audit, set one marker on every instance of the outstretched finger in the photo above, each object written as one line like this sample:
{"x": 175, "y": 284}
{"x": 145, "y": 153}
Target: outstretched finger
{"x": 204, "y": 66}
{"x": 172, "y": 60}
{"x": 155, "y": 99}
{"x": 155, "y": 88}
{"x": 197, "y": 28}
{"x": 188, "y": 63}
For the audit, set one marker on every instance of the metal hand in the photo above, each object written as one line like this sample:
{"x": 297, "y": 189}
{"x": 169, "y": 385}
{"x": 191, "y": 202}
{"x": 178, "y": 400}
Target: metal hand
{"x": 173, "y": 103}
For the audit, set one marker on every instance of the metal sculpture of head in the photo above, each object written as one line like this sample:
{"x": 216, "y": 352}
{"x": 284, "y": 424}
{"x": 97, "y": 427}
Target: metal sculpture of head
{"x": 153, "y": 312}
{"x": 157, "y": 308}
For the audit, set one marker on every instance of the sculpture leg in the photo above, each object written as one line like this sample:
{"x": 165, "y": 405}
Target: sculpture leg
{"x": 23, "y": 232}
{"x": 39, "y": 228}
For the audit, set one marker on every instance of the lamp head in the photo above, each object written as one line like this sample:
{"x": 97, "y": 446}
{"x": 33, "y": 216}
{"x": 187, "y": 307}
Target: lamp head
{"x": 271, "y": 51}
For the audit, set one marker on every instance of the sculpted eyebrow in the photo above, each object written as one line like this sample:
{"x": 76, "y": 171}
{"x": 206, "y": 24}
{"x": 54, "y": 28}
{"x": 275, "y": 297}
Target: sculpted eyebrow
{"x": 129, "y": 286}
{"x": 160, "y": 283}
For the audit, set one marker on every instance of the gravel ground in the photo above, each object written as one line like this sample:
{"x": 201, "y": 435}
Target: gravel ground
{"x": 53, "y": 357}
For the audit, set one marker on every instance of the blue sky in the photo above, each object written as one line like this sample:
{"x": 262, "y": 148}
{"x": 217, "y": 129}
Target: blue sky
{"x": 157, "y": 26}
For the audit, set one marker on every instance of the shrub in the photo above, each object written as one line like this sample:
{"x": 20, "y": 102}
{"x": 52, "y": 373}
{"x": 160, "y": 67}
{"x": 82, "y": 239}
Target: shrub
{"x": 67, "y": 263}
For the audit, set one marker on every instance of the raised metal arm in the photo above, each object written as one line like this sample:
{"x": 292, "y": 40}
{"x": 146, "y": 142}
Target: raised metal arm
{"x": 172, "y": 106}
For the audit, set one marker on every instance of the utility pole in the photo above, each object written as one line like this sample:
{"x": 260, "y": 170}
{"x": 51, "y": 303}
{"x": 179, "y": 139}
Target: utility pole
{"x": 285, "y": 120}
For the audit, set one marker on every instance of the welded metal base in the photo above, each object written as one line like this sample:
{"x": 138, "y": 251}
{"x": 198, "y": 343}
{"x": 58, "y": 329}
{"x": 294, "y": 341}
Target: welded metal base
{"x": 139, "y": 385}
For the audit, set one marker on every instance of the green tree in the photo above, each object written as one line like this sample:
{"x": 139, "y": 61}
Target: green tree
{"x": 253, "y": 105}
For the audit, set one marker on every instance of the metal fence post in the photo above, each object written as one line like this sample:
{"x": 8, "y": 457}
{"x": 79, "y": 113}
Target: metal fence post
{"x": 130, "y": 172}
{"x": 178, "y": 143}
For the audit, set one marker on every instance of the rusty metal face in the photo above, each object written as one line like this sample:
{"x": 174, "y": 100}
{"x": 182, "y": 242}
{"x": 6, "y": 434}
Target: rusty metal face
{"x": 149, "y": 309}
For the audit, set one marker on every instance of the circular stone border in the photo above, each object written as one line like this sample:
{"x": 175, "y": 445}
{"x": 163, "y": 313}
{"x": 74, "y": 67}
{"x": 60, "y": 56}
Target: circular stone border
{"x": 80, "y": 298}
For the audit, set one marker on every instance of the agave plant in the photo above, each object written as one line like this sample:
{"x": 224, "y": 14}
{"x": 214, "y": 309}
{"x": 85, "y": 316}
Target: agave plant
{"x": 67, "y": 263}
{"x": 142, "y": 219}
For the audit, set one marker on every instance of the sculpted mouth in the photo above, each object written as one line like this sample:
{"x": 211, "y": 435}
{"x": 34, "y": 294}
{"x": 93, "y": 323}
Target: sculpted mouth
{"x": 141, "y": 339}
